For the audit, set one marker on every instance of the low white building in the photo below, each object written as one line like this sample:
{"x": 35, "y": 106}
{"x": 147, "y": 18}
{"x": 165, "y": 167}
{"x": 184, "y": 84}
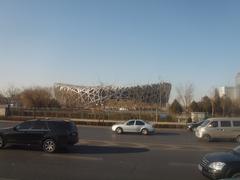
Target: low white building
{"x": 3, "y": 110}
{"x": 198, "y": 116}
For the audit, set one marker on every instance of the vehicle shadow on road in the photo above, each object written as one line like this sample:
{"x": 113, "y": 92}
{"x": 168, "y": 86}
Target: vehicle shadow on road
{"x": 93, "y": 149}
{"x": 82, "y": 149}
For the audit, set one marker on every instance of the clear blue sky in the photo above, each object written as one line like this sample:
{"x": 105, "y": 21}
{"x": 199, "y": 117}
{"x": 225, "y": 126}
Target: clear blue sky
{"x": 120, "y": 42}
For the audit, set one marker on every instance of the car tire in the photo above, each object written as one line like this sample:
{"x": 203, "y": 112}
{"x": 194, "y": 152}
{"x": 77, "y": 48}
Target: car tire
{"x": 206, "y": 138}
{"x": 2, "y": 143}
{"x": 49, "y": 146}
{"x": 238, "y": 139}
{"x": 119, "y": 130}
{"x": 144, "y": 131}
{"x": 236, "y": 175}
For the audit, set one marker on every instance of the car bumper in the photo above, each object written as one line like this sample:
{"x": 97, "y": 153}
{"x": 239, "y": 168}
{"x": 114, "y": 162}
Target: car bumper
{"x": 210, "y": 173}
{"x": 198, "y": 134}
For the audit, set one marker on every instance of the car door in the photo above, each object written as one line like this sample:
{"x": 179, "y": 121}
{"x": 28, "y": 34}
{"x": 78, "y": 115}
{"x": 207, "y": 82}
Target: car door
{"x": 37, "y": 132}
{"x": 19, "y": 134}
{"x": 139, "y": 125}
{"x": 225, "y": 129}
{"x": 213, "y": 129}
{"x": 130, "y": 126}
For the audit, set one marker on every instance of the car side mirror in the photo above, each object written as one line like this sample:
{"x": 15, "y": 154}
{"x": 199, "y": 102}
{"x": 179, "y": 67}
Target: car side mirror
{"x": 210, "y": 125}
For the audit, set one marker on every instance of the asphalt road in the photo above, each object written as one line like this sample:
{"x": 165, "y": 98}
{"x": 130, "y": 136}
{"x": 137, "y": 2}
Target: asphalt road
{"x": 100, "y": 154}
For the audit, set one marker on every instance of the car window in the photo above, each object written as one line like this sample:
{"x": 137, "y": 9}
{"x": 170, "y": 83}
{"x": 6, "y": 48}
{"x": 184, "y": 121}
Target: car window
{"x": 39, "y": 125}
{"x": 213, "y": 124}
{"x": 236, "y": 123}
{"x": 225, "y": 124}
{"x": 57, "y": 126}
{"x": 140, "y": 123}
{"x": 24, "y": 126}
{"x": 130, "y": 123}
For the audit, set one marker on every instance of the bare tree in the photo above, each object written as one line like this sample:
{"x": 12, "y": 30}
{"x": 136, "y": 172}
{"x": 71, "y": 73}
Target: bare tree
{"x": 185, "y": 95}
{"x": 36, "y": 97}
{"x": 12, "y": 94}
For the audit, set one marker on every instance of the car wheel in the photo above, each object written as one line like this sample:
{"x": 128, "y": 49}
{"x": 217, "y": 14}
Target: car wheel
{"x": 49, "y": 145}
{"x": 206, "y": 138}
{"x": 1, "y": 142}
{"x": 144, "y": 131}
{"x": 238, "y": 139}
{"x": 119, "y": 130}
{"x": 236, "y": 175}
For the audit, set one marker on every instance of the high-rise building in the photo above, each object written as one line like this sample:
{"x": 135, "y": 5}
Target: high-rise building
{"x": 237, "y": 79}
{"x": 231, "y": 91}
{"x": 237, "y": 91}
{"x": 227, "y": 91}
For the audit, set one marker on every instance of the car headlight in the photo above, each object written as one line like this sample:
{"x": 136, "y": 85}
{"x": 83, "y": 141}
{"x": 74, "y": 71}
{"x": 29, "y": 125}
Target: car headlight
{"x": 218, "y": 166}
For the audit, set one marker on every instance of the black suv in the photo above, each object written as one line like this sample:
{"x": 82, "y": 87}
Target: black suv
{"x": 49, "y": 134}
{"x": 221, "y": 165}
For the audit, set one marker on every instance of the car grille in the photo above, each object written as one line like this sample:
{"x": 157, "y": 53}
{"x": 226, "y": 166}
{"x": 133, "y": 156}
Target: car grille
{"x": 204, "y": 162}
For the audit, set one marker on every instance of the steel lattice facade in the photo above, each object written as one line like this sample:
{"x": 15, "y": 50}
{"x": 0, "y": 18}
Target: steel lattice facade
{"x": 84, "y": 96}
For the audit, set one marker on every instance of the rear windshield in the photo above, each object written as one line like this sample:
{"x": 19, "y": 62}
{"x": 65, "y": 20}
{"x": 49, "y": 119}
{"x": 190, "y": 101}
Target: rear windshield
{"x": 71, "y": 126}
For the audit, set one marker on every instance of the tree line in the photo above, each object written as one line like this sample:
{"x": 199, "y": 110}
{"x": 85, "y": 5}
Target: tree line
{"x": 213, "y": 106}
{"x": 40, "y": 97}
{"x": 34, "y": 97}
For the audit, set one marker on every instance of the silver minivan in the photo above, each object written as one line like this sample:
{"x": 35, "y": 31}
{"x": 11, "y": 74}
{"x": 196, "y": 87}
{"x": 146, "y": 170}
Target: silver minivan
{"x": 219, "y": 128}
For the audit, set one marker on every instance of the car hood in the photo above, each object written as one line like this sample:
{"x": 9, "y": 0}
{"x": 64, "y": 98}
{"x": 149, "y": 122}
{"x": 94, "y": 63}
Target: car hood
{"x": 223, "y": 157}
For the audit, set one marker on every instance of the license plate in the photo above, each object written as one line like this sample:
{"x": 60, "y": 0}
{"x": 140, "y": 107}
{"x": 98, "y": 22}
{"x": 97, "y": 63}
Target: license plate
{"x": 200, "y": 167}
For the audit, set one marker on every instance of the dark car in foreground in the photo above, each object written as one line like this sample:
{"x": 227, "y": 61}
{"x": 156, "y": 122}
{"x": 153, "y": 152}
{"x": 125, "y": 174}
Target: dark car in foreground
{"x": 49, "y": 134}
{"x": 221, "y": 165}
{"x": 193, "y": 125}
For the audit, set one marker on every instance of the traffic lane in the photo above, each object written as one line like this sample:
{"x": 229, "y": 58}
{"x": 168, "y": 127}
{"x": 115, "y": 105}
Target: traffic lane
{"x": 99, "y": 162}
{"x": 112, "y": 157}
{"x": 160, "y": 134}
{"x": 164, "y": 137}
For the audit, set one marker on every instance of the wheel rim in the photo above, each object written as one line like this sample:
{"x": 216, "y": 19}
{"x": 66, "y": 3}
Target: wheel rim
{"x": 1, "y": 142}
{"x": 144, "y": 131}
{"x": 49, "y": 146}
{"x": 119, "y": 131}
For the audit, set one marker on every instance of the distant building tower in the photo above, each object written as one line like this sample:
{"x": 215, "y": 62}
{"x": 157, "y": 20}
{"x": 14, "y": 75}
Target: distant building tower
{"x": 237, "y": 90}
{"x": 237, "y": 79}
{"x": 227, "y": 91}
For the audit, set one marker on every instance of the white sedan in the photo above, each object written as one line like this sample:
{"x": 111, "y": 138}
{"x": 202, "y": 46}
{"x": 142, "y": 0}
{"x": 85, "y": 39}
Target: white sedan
{"x": 133, "y": 125}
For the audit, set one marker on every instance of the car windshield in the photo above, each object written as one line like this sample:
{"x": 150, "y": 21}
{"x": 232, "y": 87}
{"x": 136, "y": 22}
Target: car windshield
{"x": 237, "y": 149}
{"x": 205, "y": 123}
